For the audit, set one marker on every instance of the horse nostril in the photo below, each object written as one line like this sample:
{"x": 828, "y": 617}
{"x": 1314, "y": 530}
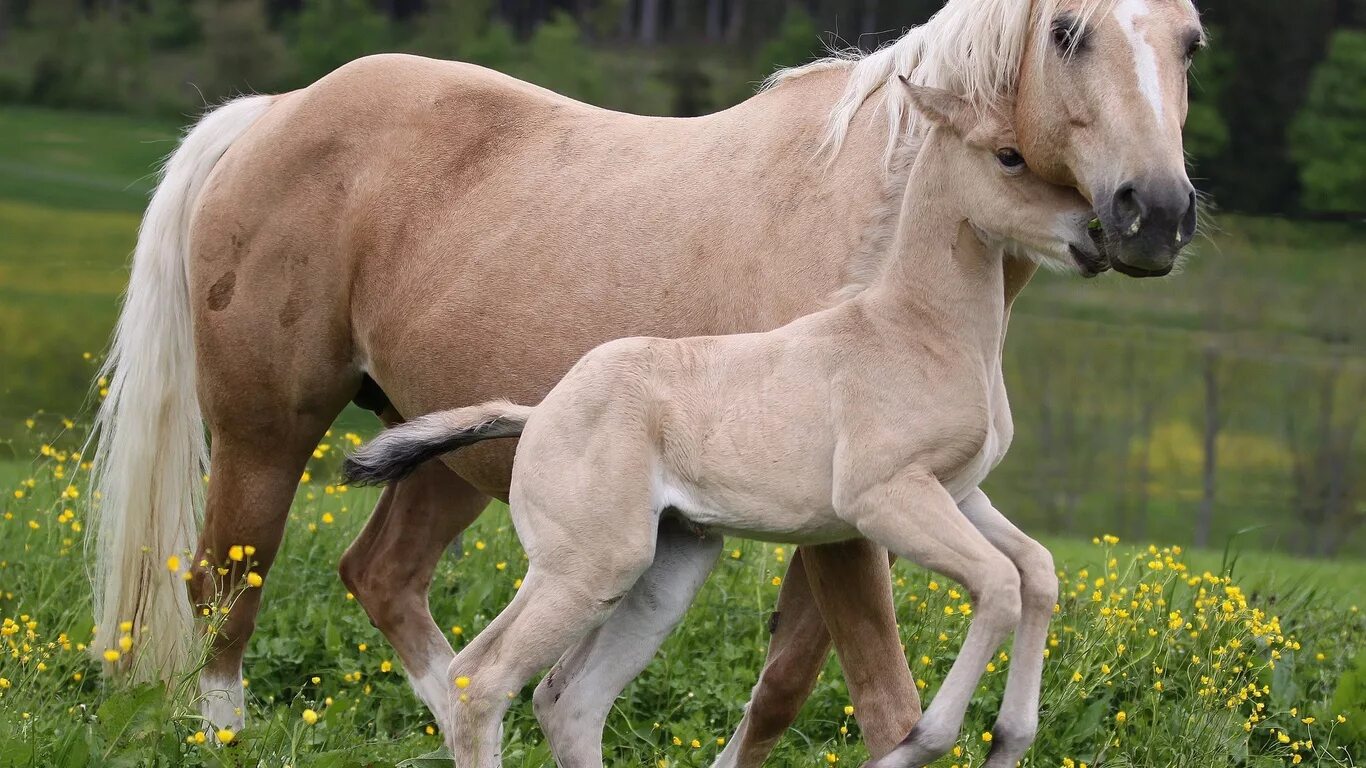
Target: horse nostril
{"x": 1128, "y": 209}
{"x": 1186, "y": 231}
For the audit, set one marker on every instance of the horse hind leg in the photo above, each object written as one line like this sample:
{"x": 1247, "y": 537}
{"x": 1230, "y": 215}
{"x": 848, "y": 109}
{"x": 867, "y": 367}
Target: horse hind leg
{"x": 389, "y": 569}
{"x": 261, "y": 442}
{"x": 573, "y": 700}
{"x": 251, "y": 487}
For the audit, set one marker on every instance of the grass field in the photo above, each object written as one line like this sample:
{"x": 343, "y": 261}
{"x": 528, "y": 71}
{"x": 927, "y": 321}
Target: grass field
{"x": 1154, "y": 662}
{"x": 1156, "y": 658}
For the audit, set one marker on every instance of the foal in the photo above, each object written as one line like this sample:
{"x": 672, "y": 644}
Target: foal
{"x": 876, "y": 418}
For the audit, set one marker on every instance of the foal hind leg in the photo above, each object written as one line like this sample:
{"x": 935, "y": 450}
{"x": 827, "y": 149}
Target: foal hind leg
{"x": 580, "y": 568}
{"x": 574, "y": 698}
{"x": 389, "y": 569}
{"x": 1018, "y": 719}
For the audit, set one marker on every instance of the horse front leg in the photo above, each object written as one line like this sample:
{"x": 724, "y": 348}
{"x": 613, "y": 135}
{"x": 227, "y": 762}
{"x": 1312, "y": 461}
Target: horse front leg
{"x": 852, "y": 586}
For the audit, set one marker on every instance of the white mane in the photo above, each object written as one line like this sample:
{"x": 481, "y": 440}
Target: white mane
{"x": 971, "y": 47}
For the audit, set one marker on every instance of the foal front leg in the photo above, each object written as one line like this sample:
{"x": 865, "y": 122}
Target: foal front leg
{"x": 915, "y": 517}
{"x": 1019, "y": 716}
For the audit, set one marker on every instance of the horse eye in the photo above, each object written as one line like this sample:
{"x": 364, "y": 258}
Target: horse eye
{"x": 1068, "y": 37}
{"x": 1010, "y": 158}
{"x": 1062, "y": 38}
{"x": 1194, "y": 48}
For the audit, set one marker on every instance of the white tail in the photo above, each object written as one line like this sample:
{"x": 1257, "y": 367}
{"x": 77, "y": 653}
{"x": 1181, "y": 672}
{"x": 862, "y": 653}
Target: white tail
{"x": 149, "y": 435}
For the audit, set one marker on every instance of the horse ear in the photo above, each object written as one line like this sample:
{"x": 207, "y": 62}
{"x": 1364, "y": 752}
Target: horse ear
{"x": 941, "y": 107}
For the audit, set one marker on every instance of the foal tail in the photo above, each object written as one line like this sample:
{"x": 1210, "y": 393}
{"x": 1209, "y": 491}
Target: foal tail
{"x": 396, "y": 452}
{"x": 150, "y": 451}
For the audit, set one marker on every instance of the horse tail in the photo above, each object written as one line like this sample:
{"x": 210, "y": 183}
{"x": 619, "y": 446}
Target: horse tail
{"x": 150, "y": 450}
{"x": 397, "y": 451}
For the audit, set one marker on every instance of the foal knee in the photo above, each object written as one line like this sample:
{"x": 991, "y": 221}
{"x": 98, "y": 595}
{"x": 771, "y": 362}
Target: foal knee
{"x": 998, "y": 595}
{"x": 1038, "y": 579}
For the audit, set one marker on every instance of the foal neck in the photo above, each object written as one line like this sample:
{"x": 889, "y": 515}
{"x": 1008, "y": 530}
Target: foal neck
{"x": 940, "y": 272}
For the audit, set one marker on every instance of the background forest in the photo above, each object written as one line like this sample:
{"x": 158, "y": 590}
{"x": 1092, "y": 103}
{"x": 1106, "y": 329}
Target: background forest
{"x": 1226, "y": 400}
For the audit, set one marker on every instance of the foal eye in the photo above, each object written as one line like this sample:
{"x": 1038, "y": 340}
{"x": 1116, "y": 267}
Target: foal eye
{"x": 1010, "y": 158}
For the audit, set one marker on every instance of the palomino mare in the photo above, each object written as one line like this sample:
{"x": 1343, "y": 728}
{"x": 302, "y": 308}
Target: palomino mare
{"x": 877, "y": 418}
{"x": 310, "y": 248}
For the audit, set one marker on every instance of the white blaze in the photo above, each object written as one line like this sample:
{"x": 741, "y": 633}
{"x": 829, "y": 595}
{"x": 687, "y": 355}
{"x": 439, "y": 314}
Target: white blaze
{"x": 1127, "y": 12}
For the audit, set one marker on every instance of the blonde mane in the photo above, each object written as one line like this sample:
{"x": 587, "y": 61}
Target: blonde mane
{"x": 971, "y": 47}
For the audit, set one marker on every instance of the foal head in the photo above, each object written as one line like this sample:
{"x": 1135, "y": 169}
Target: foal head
{"x": 1100, "y": 103}
{"x": 980, "y": 166}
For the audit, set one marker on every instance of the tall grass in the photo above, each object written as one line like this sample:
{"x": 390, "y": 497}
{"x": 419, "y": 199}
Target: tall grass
{"x": 1157, "y": 657}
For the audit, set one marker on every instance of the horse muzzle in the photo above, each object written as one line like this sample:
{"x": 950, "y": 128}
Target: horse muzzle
{"x": 1147, "y": 222}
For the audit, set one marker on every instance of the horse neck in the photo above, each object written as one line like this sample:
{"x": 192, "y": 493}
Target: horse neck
{"x": 940, "y": 271}
{"x": 859, "y": 182}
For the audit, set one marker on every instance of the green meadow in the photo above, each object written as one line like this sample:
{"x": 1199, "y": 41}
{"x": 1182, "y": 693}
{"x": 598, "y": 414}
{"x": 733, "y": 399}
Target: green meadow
{"x": 1243, "y": 652}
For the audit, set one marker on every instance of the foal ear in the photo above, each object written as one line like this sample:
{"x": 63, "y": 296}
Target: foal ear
{"x": 941, "y": 107}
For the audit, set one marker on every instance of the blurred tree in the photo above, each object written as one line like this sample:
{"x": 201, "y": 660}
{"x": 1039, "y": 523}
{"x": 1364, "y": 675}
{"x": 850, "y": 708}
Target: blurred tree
{"x": 557, "y": 58}
{"x": 1274, "y": 46}
{"x": 1206, "y": 133}
{"x": 333, "y": 32}
{"x": 496, "y": 48}
{"x": 241, "y": 53}
{"x": 798, "y": 41}
{"x": 449, "y": 28}
{"x": 1328, "y": 138}
{"x": 172, "y": 24}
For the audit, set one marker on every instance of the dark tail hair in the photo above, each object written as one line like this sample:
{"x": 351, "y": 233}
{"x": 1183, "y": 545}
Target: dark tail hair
{"x": 397, "y": 451}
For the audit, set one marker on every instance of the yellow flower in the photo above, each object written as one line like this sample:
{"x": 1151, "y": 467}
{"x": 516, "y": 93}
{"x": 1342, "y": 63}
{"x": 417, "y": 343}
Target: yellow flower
{"x": 720, "y": 741}
{"x": 1121, "y": 716}
{"x": 199, "y": 737}
{"x": 112, "y": 655}
{"x": 254, "y": 579}
{"x": 695, "y": 744}
{"x": 848, "y": 710}
{"x": 310, "y": 716}
{"x": 986, "y": 736}
{"x": 831, "y": 758}
{"x": 457, "y": 630}
{"x": 235, "y": 553}
{"x": 225, "y": 735}
{"x": 4, "y": 683}
{"x": 677, "y": 742}
{"x": 462, "y": 682}
{"x": 173, "y": 564}
{"x": 328, "y": 519}
{"x": 386, "y": 666}
{"x": 735, "y": 554}
{"x": 777, "y": 581}
{"x": 125, "y": 643}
